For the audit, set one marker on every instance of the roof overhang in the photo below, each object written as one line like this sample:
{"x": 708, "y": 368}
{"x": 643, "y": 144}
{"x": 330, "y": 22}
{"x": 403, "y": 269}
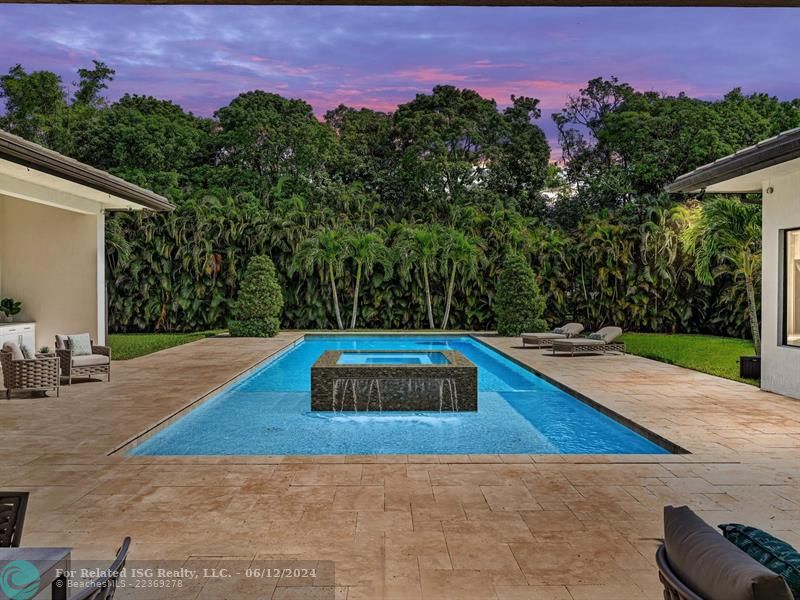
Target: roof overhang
{"x": 746, "y": 170}
{"x": 32, "y": 172}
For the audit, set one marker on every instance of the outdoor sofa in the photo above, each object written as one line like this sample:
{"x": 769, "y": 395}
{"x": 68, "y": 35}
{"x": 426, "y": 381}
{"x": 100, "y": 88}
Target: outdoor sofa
{"x": 695, "y": 562}
{"x": 546, "y": 338}
{"x": 600, "y": 341}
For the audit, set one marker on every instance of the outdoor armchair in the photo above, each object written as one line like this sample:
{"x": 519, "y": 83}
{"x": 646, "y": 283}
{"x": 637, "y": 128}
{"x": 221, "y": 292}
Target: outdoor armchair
{"x": 105, "y": 586}
{"x": 600, "y": 341}
{"x": 37, "y": 374}
{"x": 545, "y": 338}
{"x": 98, "y": 362}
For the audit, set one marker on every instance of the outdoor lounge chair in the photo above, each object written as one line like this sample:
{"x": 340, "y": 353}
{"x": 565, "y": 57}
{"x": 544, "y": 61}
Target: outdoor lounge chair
{"x": 98, "y": 362}
{"x": 545, "y": 338}
{"x": 600, "y": 341}
{"x": 40, "y": 373}
{"x": 12, "y": 517}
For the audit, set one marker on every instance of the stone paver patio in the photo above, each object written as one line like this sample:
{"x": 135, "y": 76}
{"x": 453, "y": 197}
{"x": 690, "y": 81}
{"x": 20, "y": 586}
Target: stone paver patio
{"x": 433, "y": 527}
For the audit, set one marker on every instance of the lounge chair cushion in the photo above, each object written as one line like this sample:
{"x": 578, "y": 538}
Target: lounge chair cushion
{"x": 89, "y": 360}
{"x": 711, "y": 566}
{"x": 544, "y": 336}
{"x": 16, "y": 352}
{"x": 608, "y": 334}
{"x": 81, "y": 344}
{"x": 778, "y": 556}
{"x": 582, "y": 342}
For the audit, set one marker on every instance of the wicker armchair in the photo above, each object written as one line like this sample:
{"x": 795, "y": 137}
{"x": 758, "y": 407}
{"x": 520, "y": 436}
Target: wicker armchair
{"x": 12, "y": 517}
{"x": 39, "y": 374}
{"x": 96, "y": 363}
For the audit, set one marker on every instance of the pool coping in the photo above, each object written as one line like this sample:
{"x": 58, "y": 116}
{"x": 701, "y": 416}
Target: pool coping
{"x": 137, "y": 439}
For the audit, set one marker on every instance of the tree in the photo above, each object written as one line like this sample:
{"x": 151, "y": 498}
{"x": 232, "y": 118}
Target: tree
{"x": 325, "y": 250}
{"x": 726, "y": 239}
{"x": 461, "y": 253}
{"x": 518, "y": 304}
{"x": 367, "y": 249}
{"x": 35, "y": 106}
{"x": 259, "y": 302}
{"x": 92, "y": 82}
{"x": 420, "y": 245}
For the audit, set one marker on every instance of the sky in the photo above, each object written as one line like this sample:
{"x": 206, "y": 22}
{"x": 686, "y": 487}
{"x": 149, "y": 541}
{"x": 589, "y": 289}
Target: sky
{"x": 203, "y": 56}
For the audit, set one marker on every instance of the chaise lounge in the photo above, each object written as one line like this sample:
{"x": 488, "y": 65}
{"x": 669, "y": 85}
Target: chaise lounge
{"x": 600, "y": 341}
{"x": 546, "y": 338}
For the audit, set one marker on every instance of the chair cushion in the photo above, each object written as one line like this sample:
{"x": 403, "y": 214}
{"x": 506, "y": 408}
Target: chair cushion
{"x": 778, "y": 556}
{"x": 16, "y": 351}
{"x": 713, "y": 567}
{"x": 81, "y": 344}
{"x": 89, "y": 360}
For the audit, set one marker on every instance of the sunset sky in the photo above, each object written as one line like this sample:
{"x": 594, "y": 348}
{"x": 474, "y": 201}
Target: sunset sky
{"x": 201, "y": 57}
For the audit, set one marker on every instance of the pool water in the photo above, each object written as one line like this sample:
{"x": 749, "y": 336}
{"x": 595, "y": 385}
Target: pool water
{"x": 268, "y": 412}
{"x": 392, "y": 358}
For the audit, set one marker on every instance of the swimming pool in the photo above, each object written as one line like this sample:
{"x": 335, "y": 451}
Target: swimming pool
{"x": 268, "y": 412}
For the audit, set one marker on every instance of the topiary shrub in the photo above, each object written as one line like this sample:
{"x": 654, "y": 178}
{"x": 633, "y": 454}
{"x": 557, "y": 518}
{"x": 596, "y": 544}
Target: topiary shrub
{"x": 518, "y": 303}
{"x": 259, "y": 302}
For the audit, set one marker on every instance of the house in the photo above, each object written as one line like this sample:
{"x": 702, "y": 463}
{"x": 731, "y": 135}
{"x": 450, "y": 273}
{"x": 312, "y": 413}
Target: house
{"x": 771, "y": 168}
{"x": 52, "y": 237}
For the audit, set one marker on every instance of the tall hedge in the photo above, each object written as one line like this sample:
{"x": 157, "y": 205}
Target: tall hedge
{"x": 519, "y": 303}
{"x": 259, "y": 302}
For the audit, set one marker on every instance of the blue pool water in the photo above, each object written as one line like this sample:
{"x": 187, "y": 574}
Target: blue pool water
{"x": 268, "y": 412}
{"x": 392, "y": 358}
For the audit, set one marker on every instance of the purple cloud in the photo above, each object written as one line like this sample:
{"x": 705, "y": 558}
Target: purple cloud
{"x": 201, "y": 57}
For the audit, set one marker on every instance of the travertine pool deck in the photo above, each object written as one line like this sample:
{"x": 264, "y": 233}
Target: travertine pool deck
{"x": 432, "y": 527}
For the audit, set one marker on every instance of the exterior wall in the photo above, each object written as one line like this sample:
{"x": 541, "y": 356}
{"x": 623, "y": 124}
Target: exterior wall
{"x": 779, "y": 364}
{"x": 49, "y": 260}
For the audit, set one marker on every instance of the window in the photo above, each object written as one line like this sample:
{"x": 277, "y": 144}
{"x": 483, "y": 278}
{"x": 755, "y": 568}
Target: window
{"x": 791, "y": 298}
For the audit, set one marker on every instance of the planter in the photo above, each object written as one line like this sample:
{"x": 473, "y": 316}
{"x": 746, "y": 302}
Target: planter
{"x": 750, "y": 367}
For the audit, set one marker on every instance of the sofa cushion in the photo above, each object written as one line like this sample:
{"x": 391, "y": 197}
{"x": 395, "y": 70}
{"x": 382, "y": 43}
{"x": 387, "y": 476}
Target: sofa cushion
{"x": 16, "y": 351}
{"x": 81, "y": 344}
{"x": 89, "y": 360}
{"x": 778, "y": 556}
{"x": 713, "y": 567}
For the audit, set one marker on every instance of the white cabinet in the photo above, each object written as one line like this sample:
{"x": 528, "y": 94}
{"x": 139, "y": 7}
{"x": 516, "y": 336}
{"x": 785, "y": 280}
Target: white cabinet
{"x": 19, "y": 333}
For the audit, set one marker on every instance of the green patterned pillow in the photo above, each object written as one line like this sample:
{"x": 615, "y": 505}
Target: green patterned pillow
{"x": 81, "y": 345}
{"x": 778, "y": 556}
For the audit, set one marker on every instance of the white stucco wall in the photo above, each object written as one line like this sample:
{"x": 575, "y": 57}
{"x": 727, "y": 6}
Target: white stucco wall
{"x": 780, "y": 365}
{"x": 49, "y": 260}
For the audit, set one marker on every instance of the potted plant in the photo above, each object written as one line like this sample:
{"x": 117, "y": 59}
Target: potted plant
{"x": 10, "y": 307}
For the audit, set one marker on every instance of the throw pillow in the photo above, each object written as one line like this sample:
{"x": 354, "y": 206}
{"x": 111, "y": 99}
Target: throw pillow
{"x": 558, "y": 330}
{"x": 16, "y": 353}
{"x": 26, "y": 352}
{"x": 595, "y": 336}
{"x": 81, "y": 345}
{"x": 778, "y": 556}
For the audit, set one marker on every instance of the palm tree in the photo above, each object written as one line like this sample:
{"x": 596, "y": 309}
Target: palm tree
{"x": 421, "y": 245}
{"x": 325, "y": 250}
{"x": 725, "y": 238}
{"x": 367, "y": 249}
{"x": 460, "y": 252}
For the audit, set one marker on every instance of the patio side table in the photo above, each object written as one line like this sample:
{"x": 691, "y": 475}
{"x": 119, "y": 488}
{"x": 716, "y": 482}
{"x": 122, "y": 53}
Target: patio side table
{"x": 49, "y": 562}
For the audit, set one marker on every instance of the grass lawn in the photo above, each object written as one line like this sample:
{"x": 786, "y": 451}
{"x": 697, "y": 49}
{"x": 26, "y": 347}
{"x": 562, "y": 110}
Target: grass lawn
{"x": 706, "y": 353}
{"x": 131, "y": 345}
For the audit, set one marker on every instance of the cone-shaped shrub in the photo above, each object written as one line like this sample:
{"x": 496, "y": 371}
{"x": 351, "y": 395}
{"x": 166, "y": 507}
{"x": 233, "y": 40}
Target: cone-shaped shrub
{"x": 518, "y": 303}
{"x": 259, "y": 302}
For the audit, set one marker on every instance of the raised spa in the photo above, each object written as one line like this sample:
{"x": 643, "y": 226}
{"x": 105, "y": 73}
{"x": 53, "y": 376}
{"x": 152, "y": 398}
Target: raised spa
{"x": 394, "y": 381}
